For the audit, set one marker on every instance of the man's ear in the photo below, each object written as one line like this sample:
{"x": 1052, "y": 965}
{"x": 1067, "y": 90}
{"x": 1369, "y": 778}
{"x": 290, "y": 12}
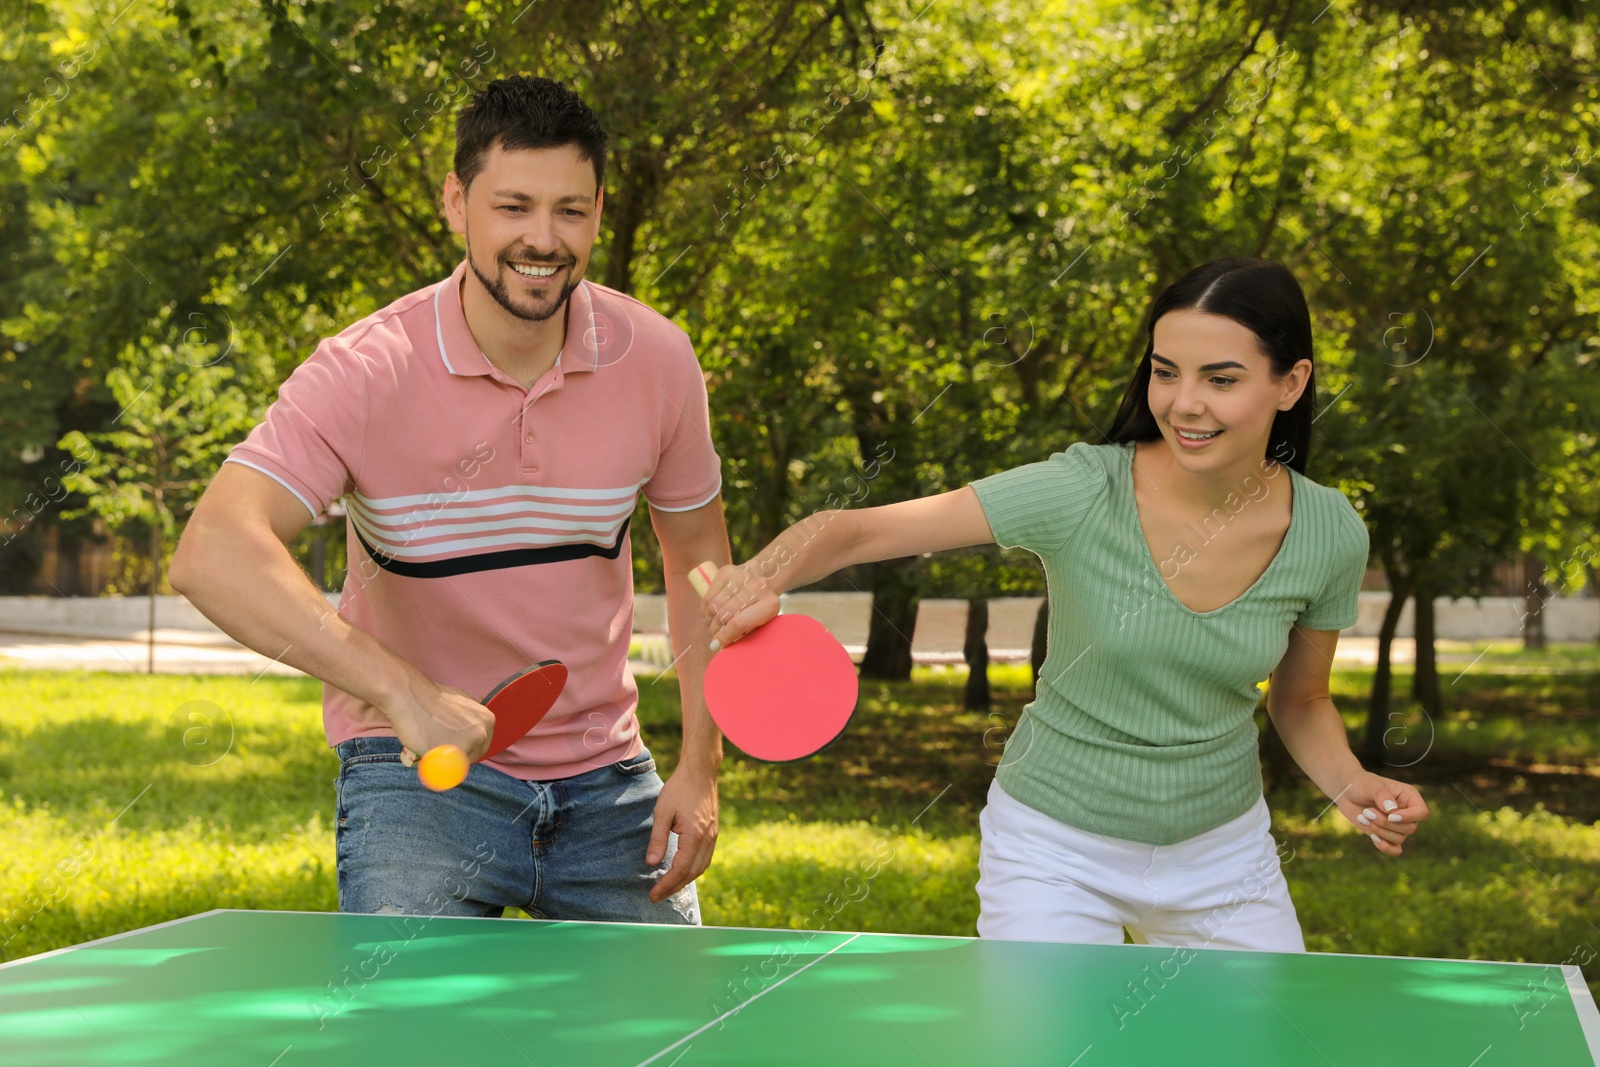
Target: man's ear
{"x": 454, "y": 199}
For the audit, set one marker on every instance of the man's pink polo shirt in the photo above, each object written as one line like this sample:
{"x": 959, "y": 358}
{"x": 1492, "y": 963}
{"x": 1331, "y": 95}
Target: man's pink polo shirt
{"x": 488, "y": 524}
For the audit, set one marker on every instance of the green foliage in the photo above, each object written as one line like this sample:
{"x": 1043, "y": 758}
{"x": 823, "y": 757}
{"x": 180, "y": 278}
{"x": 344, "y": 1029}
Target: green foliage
{"x": 178, "y": 420}
{"x": 913, "y": 248}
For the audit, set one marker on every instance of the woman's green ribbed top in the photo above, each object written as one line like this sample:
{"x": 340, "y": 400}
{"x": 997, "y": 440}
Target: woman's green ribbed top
{"x": 1142, "y": 726}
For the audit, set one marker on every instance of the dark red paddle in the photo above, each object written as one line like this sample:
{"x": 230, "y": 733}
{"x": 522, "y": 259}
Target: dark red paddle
{"x": 784, "y": 690}
{"x": 518, "y": 703}
{"x": 521, "y": 701}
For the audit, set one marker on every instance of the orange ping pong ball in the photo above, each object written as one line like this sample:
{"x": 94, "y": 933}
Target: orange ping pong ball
{"x": 441, "y": 768}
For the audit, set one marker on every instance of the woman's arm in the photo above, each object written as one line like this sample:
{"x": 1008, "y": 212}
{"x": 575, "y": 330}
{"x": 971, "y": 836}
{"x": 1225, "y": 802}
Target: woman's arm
{"x": 742, "y": 598}
{"x": 1300, "y": 706}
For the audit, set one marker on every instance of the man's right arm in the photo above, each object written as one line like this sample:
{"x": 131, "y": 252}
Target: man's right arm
{"x": 234, "y": 566}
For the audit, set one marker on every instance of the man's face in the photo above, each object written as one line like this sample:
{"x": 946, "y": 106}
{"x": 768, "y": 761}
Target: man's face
{"x": 530, "y": 218}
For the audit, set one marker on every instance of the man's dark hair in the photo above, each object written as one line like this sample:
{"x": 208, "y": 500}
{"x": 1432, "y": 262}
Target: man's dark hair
{"x": 525, "y": 112}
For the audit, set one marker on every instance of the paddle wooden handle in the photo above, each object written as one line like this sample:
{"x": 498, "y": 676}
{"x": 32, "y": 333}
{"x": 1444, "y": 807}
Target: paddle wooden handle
{"x": 410, "y": 758}
{"x": 701, "y": 577}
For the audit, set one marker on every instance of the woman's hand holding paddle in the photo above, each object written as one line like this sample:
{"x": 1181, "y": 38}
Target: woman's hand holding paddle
{"x": 737, "y": 601}
{"x": 787, "y": 691}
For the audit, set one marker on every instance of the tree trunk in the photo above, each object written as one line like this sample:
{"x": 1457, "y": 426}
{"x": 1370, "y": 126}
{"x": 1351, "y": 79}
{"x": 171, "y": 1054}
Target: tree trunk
{"x": 1378, "y": 706}
{"x": 1425, "y": 678}
{"x": 638, "y": 182}
{"x": 1534, "y": 598}
{"x": 155, "y": 587}
{"x": 977, "y": 654}
{"x": 1594, "y": 589}
{"x": 772, "y": 502}
{"x": 1041, "y": 639}
{"x": 894, "y": 620}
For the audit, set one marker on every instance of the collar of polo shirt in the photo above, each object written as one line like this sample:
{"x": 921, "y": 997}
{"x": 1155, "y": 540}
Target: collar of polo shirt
{"x": 454, "y": 336}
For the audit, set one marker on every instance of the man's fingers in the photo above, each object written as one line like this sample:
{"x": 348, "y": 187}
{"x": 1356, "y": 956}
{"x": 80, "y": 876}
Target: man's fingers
{"x": 702, "y": 856}
{"x": 676, "y": 877}
{"x": 694, "y": 853}
{"x": 692, "y": 859}
{"x": 660, "y": 827}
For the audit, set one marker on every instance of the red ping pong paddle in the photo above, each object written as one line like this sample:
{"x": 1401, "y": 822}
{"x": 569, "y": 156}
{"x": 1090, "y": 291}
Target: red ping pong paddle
{"x": 782, "y": 692}
{"x": 518, "y": 703}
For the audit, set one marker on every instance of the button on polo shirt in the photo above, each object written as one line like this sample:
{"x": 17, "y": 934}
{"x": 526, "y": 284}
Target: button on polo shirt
{"x": 488, "y": 523}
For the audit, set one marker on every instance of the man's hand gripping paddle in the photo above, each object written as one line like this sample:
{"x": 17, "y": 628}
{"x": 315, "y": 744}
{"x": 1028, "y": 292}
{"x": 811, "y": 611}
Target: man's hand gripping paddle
{"x": 518, "y": 704}
{"x": 784, "y": 690}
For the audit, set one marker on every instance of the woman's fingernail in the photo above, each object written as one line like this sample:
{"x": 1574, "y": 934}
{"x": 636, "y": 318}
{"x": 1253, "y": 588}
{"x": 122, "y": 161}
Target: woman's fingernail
{"x": 1394, "y": 818}
{"x": 1369, "y": 813}
{"x": 1363, "y": 819}
{"x": 1375, "y": 839}
{"x": 715, "y": 644}
{"x": 1389, "y": 805}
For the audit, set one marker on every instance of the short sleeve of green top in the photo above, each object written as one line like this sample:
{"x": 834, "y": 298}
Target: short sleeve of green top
{"x": 1142, "y": 726}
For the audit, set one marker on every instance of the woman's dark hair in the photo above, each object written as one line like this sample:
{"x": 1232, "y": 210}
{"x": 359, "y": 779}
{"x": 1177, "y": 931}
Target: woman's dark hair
{"x": 1264, "y": 298}
{"x": 526, "y": 112}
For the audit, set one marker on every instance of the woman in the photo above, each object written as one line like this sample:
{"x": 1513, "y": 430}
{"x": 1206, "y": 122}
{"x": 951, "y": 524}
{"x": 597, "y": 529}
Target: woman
{"x": 1188, "y": 557}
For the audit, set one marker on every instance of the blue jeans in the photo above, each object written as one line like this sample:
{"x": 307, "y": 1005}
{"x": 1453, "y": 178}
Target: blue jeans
{"x": 572, "y": 848}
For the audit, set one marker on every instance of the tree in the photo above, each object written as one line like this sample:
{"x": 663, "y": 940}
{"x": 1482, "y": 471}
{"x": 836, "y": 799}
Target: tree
{"x": 178, "y": 421}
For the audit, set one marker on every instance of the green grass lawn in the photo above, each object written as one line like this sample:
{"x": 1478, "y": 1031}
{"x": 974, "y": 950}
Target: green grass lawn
{"x": 127, "y": 800}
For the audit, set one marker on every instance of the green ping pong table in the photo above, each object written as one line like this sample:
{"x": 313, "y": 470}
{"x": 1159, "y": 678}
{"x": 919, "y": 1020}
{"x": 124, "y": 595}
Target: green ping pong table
{"x": 284, "y": 989}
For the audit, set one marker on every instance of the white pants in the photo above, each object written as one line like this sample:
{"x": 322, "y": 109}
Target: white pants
{"x": 1042, "y": 880}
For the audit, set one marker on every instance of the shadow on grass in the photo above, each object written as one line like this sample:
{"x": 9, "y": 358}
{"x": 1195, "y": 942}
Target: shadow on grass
{"x": 908, "y": 745}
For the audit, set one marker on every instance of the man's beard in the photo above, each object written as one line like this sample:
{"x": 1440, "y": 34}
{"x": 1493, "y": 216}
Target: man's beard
{"x": 502, "y": 293}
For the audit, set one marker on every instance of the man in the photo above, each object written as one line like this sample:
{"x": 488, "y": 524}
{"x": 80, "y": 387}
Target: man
{"x": 490, "y": 435}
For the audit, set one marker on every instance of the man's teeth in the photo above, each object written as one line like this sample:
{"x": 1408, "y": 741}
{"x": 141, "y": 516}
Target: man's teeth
{"x": 1198, "y": 436}
{"x": 533, "y": 272}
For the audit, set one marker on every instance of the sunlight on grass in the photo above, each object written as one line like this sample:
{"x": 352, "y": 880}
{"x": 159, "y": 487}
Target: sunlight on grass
{"x": 1475, "y": 883}
{"x": 853, "y": 876}
{"x": 127, "y": 801}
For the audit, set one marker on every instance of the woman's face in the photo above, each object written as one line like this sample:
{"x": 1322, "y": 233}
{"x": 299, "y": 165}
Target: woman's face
{"x": 1212, "y": 391}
